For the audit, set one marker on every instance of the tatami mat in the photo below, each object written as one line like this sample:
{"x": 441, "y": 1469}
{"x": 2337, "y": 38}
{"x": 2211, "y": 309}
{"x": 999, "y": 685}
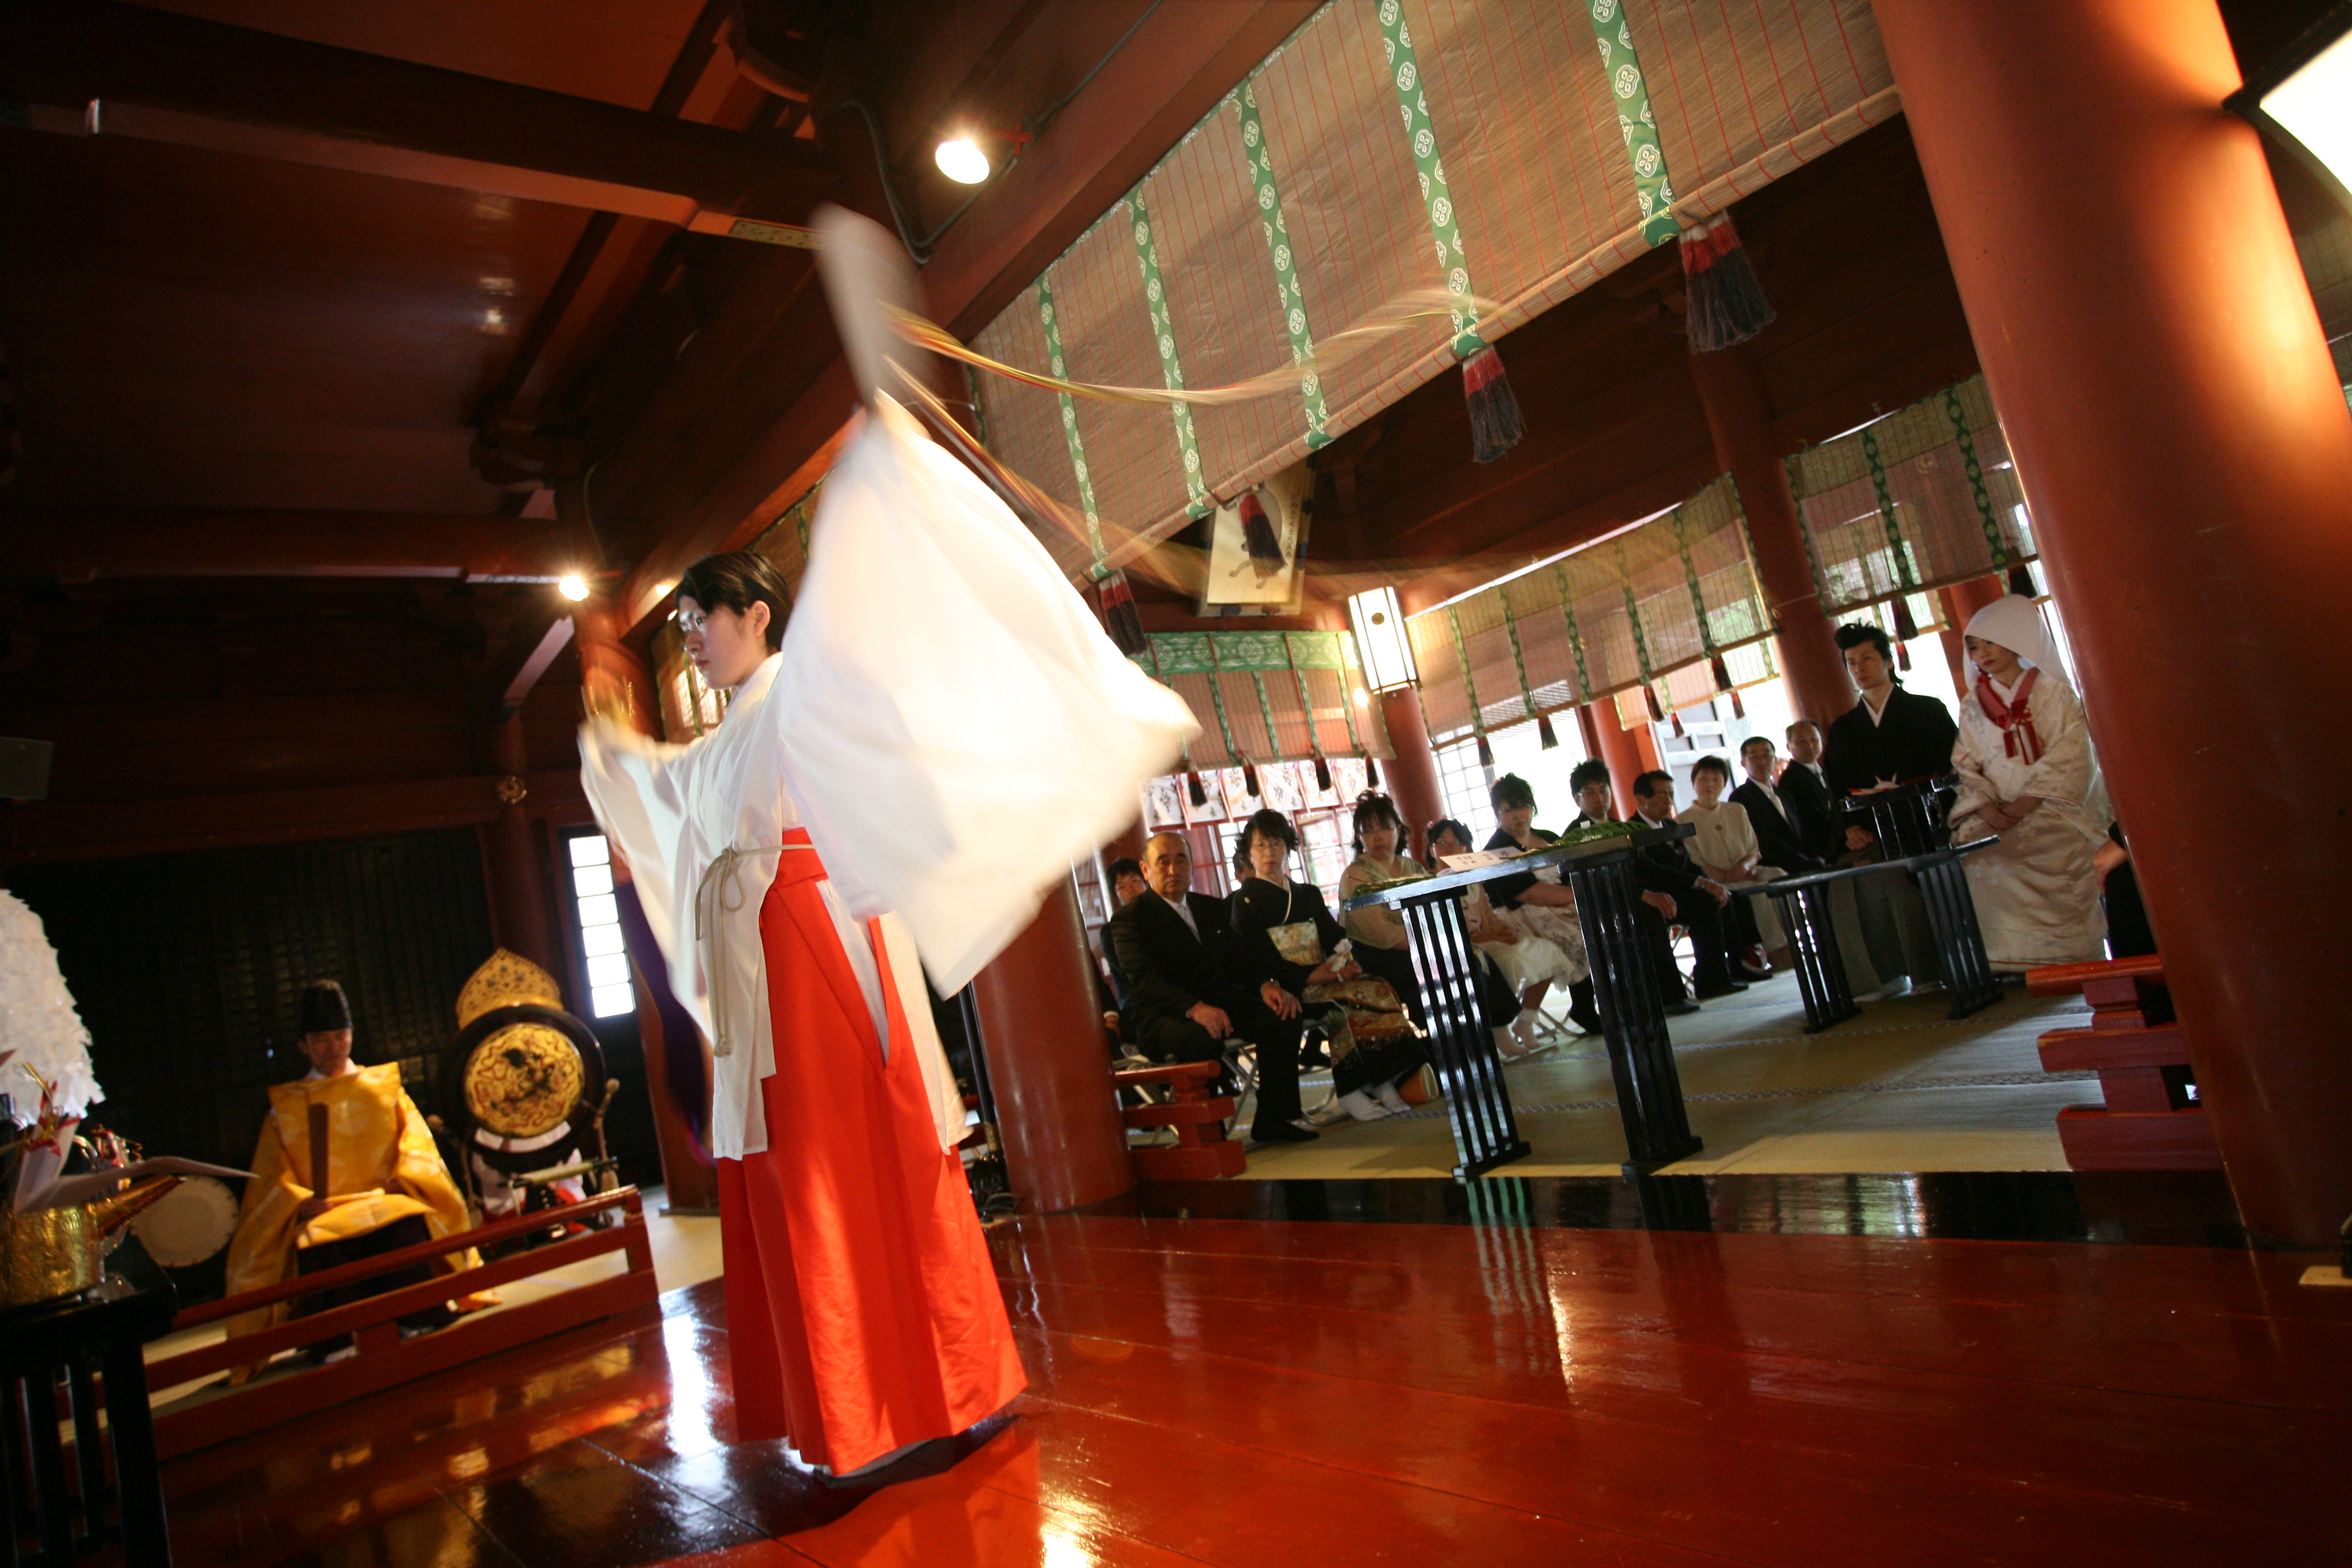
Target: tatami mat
{"x": 1900, "y": 1088}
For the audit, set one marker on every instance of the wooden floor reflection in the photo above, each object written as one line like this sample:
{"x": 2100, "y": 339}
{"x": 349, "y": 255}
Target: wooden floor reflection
{"x": 1250, "y": 1392}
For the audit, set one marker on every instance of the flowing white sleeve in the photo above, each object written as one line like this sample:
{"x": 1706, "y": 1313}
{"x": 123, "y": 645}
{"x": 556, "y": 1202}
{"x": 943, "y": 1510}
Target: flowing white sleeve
{"x": 636, "y": 790}
{"x": 1976, "y": 791}
{"x": 955, "y": 724}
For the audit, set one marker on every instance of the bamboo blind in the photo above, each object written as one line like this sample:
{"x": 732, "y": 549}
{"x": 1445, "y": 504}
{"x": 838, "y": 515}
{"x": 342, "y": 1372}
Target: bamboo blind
{"x": 1298, "y": 206}
{"x": 1264, "y": 697}
{"x": 1925, "y": 497}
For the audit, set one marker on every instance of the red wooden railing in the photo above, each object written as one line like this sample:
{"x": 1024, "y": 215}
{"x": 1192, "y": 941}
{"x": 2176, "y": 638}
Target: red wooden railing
{"x": 383, "y": 1358}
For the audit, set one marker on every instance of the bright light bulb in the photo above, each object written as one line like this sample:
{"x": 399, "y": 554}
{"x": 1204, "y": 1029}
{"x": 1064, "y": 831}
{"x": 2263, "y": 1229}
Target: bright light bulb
{"x": 573, "y": 587}
{"x": 961, "y": 160}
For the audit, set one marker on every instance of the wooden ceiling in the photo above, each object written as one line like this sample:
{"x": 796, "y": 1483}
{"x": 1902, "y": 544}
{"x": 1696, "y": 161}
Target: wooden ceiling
{"x": 261, "y": 326}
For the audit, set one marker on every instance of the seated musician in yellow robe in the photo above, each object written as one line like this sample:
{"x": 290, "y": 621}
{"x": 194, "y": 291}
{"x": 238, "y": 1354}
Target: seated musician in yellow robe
{"x": 385, "y": 1185}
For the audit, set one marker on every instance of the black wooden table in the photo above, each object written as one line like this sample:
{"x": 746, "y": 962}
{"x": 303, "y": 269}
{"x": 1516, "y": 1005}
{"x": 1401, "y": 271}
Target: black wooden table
{"x": 1803, "y": 906}
{"x": 1629, "y": 989}
{"x": 1906, "y": 819}
{"x": 88, "y": 1347}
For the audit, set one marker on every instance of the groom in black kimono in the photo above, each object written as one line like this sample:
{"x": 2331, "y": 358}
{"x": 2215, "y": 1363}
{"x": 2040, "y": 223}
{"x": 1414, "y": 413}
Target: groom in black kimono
{"x": 1891, "y": 736}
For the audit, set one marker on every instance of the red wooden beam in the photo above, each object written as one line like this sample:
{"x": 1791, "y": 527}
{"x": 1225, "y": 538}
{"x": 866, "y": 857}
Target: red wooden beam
{"x": 169, "y": 77}
{"x": 77, "y": 545}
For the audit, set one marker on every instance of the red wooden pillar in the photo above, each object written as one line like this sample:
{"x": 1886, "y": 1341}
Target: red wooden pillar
{"x": 519, "y": 900}
{"x": 1620, "y": 750}
{"x": 1739, "y": 417}
{"x": 1961, "y": 601}
{"x": 1128, "y": 843}
{"x": 1049, "y": 1065}
{"x": 1412, "y": 771}
{"x": 2179, "y": 433}
{"x": 691, "y": 1186}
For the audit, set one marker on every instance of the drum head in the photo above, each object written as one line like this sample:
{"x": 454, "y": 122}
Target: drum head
{"x": 523, "y": 1079}
{"x": 187, "y": 1225}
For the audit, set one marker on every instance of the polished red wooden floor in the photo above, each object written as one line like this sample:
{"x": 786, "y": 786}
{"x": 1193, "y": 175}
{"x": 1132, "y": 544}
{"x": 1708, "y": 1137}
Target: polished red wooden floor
{"x": 1238, "y": 1392}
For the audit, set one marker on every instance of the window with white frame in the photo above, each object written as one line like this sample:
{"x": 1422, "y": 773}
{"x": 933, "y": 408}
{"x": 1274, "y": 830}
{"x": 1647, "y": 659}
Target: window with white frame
{"x": 597, "y": 910}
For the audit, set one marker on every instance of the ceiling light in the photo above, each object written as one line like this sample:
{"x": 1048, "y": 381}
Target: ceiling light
{"x": 2305, "y": 99}
{"x": 960, "y": 159}
{"x": 573, "y": 587}
{"x": 1382, "y": 641}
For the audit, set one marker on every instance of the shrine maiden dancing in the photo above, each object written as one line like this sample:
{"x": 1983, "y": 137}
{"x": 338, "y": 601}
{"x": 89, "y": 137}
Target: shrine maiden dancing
{"x": 904, "y": 772}
{"x": 2029, "y": 775}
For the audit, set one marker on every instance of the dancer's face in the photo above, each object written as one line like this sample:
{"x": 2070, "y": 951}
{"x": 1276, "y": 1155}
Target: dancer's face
{"x": 725, "y": 646}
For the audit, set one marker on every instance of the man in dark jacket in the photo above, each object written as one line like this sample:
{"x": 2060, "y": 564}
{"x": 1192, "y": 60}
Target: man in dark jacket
{"x": 1805, "y": 791}
{"x": 1674, "y": 889}
{"x": 1777, "y": 835}
{"x": 1187, "y": 994}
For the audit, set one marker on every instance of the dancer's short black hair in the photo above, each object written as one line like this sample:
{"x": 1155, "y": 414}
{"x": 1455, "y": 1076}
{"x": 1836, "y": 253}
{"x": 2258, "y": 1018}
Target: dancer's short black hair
{"x": 737, "y": 581}
{"x": 1510, "y": 792}
{"x": 1592, "y": 770}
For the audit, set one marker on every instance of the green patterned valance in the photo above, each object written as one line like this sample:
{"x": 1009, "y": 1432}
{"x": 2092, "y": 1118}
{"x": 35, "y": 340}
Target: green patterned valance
{"x": 1282, "y": 696}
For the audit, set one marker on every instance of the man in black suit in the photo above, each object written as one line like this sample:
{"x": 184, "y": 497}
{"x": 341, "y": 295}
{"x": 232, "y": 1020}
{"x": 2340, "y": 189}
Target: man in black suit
{"x": 1805, "y": 791}
{"x": 1187, "y": 994}
{"x": 1777, "y": 835}
{"x": 1672, "y": 889}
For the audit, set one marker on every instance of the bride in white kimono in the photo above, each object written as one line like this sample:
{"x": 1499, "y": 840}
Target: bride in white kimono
{"x": 2029, "y": 775}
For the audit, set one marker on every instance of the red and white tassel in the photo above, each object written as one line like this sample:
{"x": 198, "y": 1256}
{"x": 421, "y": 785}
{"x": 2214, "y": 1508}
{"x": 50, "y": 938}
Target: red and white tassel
{"x": 1197, "y": 790}
{"x": 1485, "y": 752}
{"x": 1371, "y": 772}
{"x": 1906, "y": 626}
{"x": 1119, "y": 616}
{"x": 1727, "y": 304}
{"x": 1721, "y": 671}
{"x": 1545, "y": 734}
{"x": 1650, "y": 695}
{"x": 1249, "y": 781}
{"x": 1495, "y": 424}
{"x": 1903, "y": 657}
{"x": 1322, "y": 773}
{"x": 1738, "y": 709}
{"x": 2021, "y": 580}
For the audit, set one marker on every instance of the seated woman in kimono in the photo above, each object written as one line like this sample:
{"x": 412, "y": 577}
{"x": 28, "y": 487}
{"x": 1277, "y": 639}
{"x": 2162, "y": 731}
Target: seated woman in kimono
{"x": 2028, "y": 776}
{"x": 1283, "y": 933}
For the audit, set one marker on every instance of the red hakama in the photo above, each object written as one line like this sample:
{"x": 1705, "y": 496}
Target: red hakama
{"x": 862, "y": 1309}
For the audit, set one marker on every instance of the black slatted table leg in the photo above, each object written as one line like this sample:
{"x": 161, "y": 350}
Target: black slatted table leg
{"x": 49, "y": 1493}
{"x": 138, "y": 1474}
{"x": 1632, "y": 1017}
{"x": 90, "y": 1454}
{"x": 1960, "y": 943}
{"x": 1485, "y": 1133}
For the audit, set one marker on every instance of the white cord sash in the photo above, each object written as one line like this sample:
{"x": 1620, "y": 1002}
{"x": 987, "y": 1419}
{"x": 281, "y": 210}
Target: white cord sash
{"x": 720, "y": 894}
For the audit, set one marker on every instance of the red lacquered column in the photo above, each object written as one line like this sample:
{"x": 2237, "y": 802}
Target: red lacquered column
{"x": 1741, "y": 419}
{"x": 1412, "y": 772}
{"x": 2177, "y": 427}
{"x": 1621, "y": 749}
{"x": 1049, "y": 1065}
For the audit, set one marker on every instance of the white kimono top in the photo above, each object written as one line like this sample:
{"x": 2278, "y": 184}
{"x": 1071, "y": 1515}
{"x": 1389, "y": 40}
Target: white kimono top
{"x": 2065, "y": 776}
{"x": 948, "y": 720}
